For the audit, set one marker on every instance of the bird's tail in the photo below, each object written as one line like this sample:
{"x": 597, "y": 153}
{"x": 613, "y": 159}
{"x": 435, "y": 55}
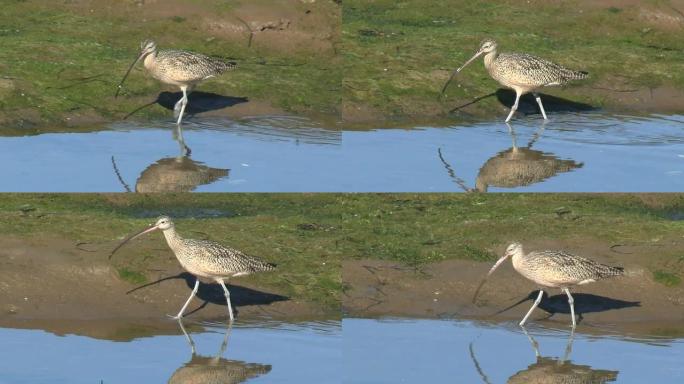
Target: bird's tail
{"x": 265, "y": 266}
{"x": 569, "y": 74}
{"x": 608, "y": 271}
{"x": 228, "y": 65}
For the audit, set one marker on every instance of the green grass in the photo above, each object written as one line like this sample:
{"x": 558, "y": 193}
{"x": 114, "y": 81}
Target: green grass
{"x": 393, "y": 57}
{"x": 397, "y": 53}
{"x": 309, "y": 235}
{"x": 65, "y": 62}
{"x": 133, "y": 277}
{"x": 668, "y": 279}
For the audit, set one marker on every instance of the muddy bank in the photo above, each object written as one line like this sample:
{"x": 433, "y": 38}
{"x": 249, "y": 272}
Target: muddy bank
{"x": 60, "y": 285}
{"x": 400, "y": 56}
{"x": 619, "y": 99}
{"x": 286, "y": 53}
{"x": 633, "y": 304}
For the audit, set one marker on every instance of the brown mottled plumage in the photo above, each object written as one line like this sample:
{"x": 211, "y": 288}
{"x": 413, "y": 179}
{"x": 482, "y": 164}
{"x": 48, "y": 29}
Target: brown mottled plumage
{"x": 559, "y": 269}
{"x": 181, "y": 68}
{"x": 517, "y": 167}
{"x": 550, "y": 371}
{"x": 521, "y": 72}
{"x": 208, "y": 370}
{"x": 215, "y": 370}
{"x": 554, "y": 269}
{"x": 204, "y": 258}
{"x": 177, "y": 174}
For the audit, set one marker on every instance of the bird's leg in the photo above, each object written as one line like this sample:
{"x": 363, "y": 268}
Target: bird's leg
{"x": 536, "y": 97}
{"x": 184, "y": 102}
{"x": 177, "y": 107}
{"x": 511, "y": 132}
{"x": 536, "y": 302}
{"x": 537, "y": 134}
{"x": 568, "y": 347}
{"x": 514, "y": 107}
{"x": 194, "y": 291}
{"x": 230, "y": 307}
{"x": 571, "y": 301}
{"x": 178, "y": 136}
{"x": 534, "y": 343}
{"x": 187, "y": 336}
{"x": 224, "y": 345}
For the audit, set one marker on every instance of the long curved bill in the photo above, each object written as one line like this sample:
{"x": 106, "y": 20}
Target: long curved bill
{"x": 454, "y": 73}
{"x": 144, "y": 231}
{"x": 496, "y": 265}
{"x": 118, "y": 88}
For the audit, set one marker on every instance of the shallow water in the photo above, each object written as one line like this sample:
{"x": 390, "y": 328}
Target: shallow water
{"x": 258, "y": 352}
{"x": 449, "y": 351}
{"x": 353, "y": 351}
{"x": 583, "y": 152}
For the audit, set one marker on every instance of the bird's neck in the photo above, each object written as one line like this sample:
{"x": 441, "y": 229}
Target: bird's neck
{"x": 489, "y": 58}
{"x": 172, "y": 237}
{"x": 150, "y": 59}
{"x": 480, "y": 184}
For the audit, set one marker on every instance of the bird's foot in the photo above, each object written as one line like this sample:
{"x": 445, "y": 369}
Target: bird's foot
{"x": 177, "y": 317}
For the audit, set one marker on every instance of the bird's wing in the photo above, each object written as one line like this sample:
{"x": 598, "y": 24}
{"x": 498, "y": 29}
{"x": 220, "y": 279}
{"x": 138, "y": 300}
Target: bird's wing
{"x": 238, "y": 261}
{"x": 192, "y": 66}
{"x": 575, "y": 267}
{"x": 532, "y": 70}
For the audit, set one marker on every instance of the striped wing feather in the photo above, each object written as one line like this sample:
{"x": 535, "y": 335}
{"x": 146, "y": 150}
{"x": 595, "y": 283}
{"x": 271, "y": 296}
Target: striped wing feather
{"x": 190, "y": 66}
{"x": 222, "y": 259}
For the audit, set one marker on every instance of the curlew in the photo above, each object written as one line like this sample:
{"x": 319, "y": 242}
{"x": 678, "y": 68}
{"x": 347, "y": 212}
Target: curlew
{"x": 181, "y": 68}
{"x": 514, "y": 167}
{"x": 521, "y": 72}
{"x": 553, "y": 269}
{"x": 549, "y": 370}
{"x": 216, "y": 369}
{"x": 204, "y": 258}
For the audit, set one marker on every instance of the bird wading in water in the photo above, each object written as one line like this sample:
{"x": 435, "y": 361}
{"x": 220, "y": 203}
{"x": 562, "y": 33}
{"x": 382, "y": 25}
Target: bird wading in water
{"x": 180, "y": 68}
{"x": 204, "y": 258}
{"x": 521, "y": 72}
{"x": 553, "y": 269}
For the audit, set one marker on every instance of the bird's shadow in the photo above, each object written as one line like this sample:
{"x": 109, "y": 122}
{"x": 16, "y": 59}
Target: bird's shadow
{"x": 198, "y": 102}
{"x": 584, "y": 303}
{"x": 212, "y": 293}
{"x": 528, "y": 105}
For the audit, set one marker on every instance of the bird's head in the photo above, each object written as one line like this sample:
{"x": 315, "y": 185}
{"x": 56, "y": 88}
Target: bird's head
{"x": 164, "y": 223}
{"x": 513, "y": 249}
{"x": 147, "y": 47}
{"x": 486, "y": 46}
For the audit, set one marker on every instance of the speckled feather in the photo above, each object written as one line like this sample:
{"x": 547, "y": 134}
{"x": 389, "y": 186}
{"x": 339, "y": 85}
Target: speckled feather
{"x": 558, "y": 268}
{"x": 530, "y": 71}
{"x": 189, "y": 67}
{"x": 210, "y": 259}
{"x": 519, "y": 167}
{"x": 212, "y": 370}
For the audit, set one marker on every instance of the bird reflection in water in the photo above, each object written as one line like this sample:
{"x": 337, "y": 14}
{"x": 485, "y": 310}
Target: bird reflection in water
{"x": 202, "y": 369}
{"x": 549, "y": 370}
{"x": 514, "y": 167}
{"x": 175, "y": 174}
